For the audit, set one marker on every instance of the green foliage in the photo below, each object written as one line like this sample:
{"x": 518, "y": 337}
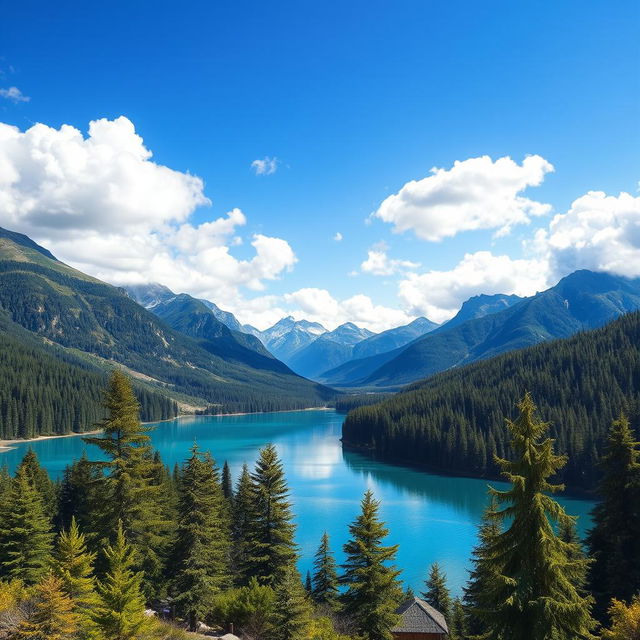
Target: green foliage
{"x": 291, "y": 608}
{"x": 535, "y": 592}
{"x": 202, "y": 541}
{"x": 39, "y": 478}
{"x": 249, "y": 608}
{"x": 227, "y": 483}
{"x": 373, "y": 589}
{"x": 614, "y": 541}
{"x": 270, "y": 549}
{"x": 453, "y": 421}
{"x": 625, "y": 620}
{"x": 325, "y": 577}
{"x": 457, "y": 622}
{"x": 120, "y": 614}
{"x": 53, "y": 617}
{"x": 437, "y": 593}
{"x": 73, "y": 566}
{"x": 130, "y": 490}
{"x": 25, "y": 532}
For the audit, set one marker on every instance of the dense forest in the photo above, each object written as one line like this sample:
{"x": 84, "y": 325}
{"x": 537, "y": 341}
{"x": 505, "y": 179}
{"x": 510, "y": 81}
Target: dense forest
{"x": 454, "y": 421}
{"x": 44, "y": 393}
{"x": 126, "y": 549}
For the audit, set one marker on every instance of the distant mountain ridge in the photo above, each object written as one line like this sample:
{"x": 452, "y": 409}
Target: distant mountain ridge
{"x": 581, "y": 300}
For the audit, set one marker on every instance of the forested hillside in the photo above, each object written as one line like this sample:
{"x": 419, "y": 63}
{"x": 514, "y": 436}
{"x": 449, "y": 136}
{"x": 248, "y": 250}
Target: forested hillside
{"x": 454, "y": 421}
{"x": 64, "y": 306}
{"x": 46, "y": 391}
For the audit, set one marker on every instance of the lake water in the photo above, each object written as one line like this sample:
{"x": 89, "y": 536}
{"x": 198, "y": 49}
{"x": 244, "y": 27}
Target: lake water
{"x": 432, "y": 517}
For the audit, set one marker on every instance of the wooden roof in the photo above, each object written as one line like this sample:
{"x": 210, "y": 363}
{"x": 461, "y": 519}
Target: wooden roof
{"x": 419, "y": 617}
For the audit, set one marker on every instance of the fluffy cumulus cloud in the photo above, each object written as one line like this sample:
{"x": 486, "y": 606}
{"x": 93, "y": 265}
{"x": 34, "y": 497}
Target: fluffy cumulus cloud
{"x": 101, "y": 204}
{"x": 14, "y": 94}
{"x": 320, "y": 306}
{"x": 599, "y": 232}
{"x": 477, "y": 193}
{"x": 265, "y": 166}
{"x": 378, "y": 263}
{"x": 439, "y": 294}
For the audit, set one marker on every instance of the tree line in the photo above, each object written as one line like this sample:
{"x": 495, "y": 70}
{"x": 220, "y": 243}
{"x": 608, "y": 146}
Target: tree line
{"x": 454, "y": 421}
{"x": 84, "y": 558}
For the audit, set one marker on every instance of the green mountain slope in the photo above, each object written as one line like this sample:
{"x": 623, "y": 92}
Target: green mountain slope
{"x": 454, "y": 421}
{"x": 582, "y": 300}
{"x": 106, "y": 326}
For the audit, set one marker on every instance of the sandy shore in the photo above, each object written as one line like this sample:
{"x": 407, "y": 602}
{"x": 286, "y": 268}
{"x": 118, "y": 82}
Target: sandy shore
{"x": 7, "y": 445}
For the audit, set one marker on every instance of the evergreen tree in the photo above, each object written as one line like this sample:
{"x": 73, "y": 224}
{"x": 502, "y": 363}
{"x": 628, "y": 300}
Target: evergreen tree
{"x": 53, "y": 617}
{"x": 271, "y": 549}
{"x": 120, "y": 614}
{"x": 373, "y": 589}
{"x": 614, "y": 541}
{"x": 535, "y": 592}
{"x": 437, "y": 593}
{"x": 202, "y": 542}
{"x": 308, "y": 585}
{"x": 73, "y": 566}
{"x": 457, "y": 623}
{"x": 292, "y": 611}
{"x": 483, "y": 573}
{"x": 77, "y": 496}
{"x": 25, "y": 532}
{"x": 409, "y": 593}
{"x": 242, "y": 527}
{"x": 40, "y": 480}
{"x": 227, "y": 482}
{"x": 325, "y": 576}
{"x": 129, "y": 492}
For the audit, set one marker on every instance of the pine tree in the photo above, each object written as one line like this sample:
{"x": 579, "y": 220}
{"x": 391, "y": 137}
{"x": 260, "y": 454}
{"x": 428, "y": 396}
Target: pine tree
{"x": 325, "y": 576}
{"x": 242, "y": 522}
{"x": 129, "y": 491}
{"x": 25, "y": 532}
{"x": 457, "y": 623}
{"x": 437, "y": 593}
{"x": 271, "y": 549}
{"x": 120, "y": 614}
{"x": 308, "y": 585}
{"x": 40, "y": 480}
{"x": 73, "y": 566}
{"x": 614, "y": 541}
{"x": 77, "y": 496}
{"x": 483, "y": 573}
{"x": 202, "y": 542}
{"x": 53, "y": 617}
{"x": 534, "y": 595}
{"x": 292, "y": 611}
{"x": 227, "y": 482}
{"x": 373, "y": 589}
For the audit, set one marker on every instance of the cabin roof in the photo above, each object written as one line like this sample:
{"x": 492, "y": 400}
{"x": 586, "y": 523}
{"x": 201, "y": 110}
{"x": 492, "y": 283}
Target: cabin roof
{"x": 419, "y": 617}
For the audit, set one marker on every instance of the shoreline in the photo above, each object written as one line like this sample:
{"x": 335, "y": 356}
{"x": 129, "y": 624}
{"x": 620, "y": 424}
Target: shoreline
{"x": 8, "y": 445}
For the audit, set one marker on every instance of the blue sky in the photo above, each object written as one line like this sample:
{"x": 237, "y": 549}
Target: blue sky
{"x": 354, "y": 100}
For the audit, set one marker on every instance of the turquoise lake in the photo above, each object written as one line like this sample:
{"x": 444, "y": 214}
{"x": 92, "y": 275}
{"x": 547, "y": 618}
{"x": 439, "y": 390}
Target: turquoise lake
{"x": 432, "y": 517}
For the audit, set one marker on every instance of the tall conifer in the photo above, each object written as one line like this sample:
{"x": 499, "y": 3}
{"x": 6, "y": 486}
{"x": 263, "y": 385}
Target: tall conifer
{"x": 614, "y": 541}
{"x": 325, "y": 576}
{"x": 272, "y": 548}
{"x": 373, "y": 589}
{"x": 120, "y": 614}
{"x": 202, "y": 542}
{"x": 242, "y": 520}
{"x": 292, "y": 611}
{"x": 436, "y": 591}
{"x": 535, "y": 592}
{"x": 25, "y": 532}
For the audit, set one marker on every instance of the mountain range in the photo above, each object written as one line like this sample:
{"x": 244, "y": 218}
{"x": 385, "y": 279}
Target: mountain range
{"x": 182, "y": 350}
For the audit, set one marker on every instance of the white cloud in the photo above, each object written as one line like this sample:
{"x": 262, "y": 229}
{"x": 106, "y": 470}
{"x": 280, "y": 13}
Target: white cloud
{"x": 599, "y": 232}
{"x": 14, "y": 94}
{"x": 439, "y": 294}
{"x": 378, "y": 262}
{"x": 101, "y": 204}
{"x": 319, "y": 305}
{"x": 474, "y": 194}
{"x": 338, "y": 237}
{"x": 266, "y": 166}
